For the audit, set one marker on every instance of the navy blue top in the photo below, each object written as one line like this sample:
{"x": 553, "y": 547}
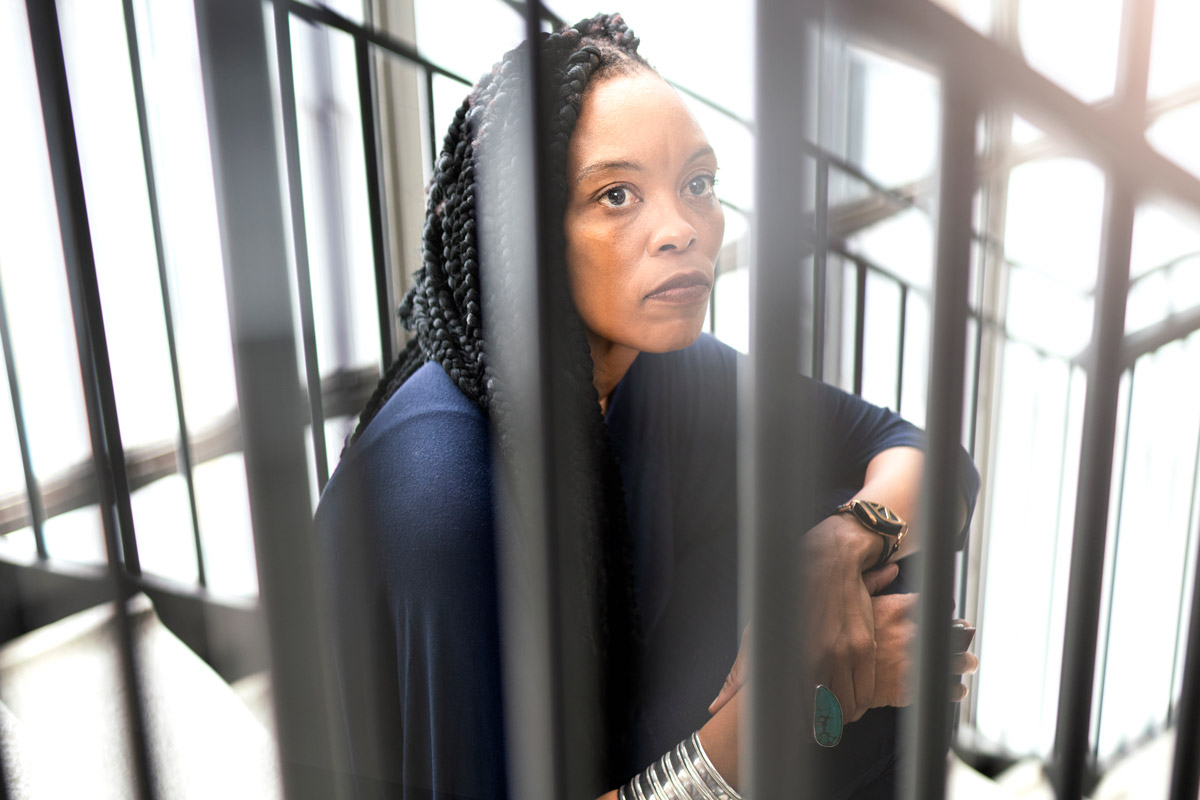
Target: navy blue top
{"x": 406, "y": 525}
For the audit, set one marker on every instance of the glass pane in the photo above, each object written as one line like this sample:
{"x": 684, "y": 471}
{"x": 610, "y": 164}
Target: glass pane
{"x": 1033, "y": 479}
{"x": 1053, "y": 232}
{"x": 881, "y": 341}
{"x": 224, "y": 507}
{"x": 483, "y": 30}
{"x": 1155, "y": 490}
{"x": 1175, "y": 134}
{"x": 916, "y": 359}
{"x": 902, "y": 244}
{"x": 1055, "y": 208}
{"x": 114, "y": 180}
{"x": 163, "y": 517}
{"x": 35, "y": 287}
{"x": 337, "y": 216}
{"x": 1173, "y": 62}
{"x": 16, "y": 539}
{"x": 1087, "y": 67}
{"x": 889, "y": 153}
{"x": 196, "y": 280}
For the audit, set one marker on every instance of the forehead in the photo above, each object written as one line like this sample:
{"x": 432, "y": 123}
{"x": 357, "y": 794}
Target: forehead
{"x": 636, "y": 117}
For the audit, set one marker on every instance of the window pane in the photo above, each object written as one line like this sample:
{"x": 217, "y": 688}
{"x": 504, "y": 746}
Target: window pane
{"x": 1155, "y": 491}
{"x": 196, "y": 281}
{"x": 1088, "y": 66}
{"x": 1173, "y": 62}
{"x": 467, "y": 37}
{"x": 1030, "y": 502}
{"x": 105, "y": 115}
{"x": 35, "y": 287}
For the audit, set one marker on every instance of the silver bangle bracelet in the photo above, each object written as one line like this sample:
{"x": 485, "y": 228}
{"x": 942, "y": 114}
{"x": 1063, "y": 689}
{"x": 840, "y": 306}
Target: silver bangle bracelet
{"x": 713, "y": 780}
{"x": 683, "y": 773}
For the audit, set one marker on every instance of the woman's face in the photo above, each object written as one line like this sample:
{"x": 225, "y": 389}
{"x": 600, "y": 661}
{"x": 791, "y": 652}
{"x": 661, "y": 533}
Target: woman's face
{"x": 643, "y": 225}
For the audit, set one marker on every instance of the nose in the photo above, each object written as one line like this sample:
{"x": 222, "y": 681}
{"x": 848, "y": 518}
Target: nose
{"x": 672, "y": 231}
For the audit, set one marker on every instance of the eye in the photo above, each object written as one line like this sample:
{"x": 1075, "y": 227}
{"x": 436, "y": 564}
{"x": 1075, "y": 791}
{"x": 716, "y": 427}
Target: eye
{"x": 701, "y": 186}
{"x": 616, "y": 197}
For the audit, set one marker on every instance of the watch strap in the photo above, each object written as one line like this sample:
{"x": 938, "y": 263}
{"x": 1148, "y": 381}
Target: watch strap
{"x": 879, "y": 519}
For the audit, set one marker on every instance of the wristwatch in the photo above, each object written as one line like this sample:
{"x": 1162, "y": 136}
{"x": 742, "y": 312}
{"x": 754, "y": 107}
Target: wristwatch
{"x": 880, "y": 519}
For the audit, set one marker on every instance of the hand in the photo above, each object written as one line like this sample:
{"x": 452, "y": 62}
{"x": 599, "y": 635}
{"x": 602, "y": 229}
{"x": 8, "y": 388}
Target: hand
{"x": 875, "y": 581}
{"x": 895, "y": 629}
{"x": 841, "y": 629}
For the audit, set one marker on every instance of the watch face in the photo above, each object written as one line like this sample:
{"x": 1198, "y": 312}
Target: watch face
{"x": 878, "y": 517}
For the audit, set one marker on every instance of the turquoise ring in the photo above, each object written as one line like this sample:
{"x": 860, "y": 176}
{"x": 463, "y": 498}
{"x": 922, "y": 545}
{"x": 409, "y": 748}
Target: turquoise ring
{"x": 827, "y": 717}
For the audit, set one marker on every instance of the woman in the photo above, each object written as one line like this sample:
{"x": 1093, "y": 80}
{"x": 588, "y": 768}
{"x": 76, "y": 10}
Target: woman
{"x": 407, "y": 519}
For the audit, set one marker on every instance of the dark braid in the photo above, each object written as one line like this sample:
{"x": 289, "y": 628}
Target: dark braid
{"x": 443, "y": 311}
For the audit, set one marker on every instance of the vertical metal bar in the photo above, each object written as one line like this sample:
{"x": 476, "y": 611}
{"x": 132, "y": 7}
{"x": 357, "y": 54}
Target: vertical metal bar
{"x": 1185, "y": 768}
{"x": 295, "y": 181}
{"x": 820, "y": 256}
{"x": 928, "y": 723}
{"x": 1099, "y": 427}
{"x": 770, "y": 470}
{"x": 107, "y": 455}
{"x": 551, "y": 687}
{"x": 1091, "y": 513}
{"x": 1062, "y": 480}
{"x": 977, "y": 366}
{"x": 371, "y": 158}
{"x": 860, "y": 323}
{"x": 235, "y": 68}
{"x": 1116, "y": 554}
{"x": 902, "y": 334}
{"x": 81, "y": 264}
{"x": 184, "y": 452}
{"x": 1183, "y": 577}
{"x": 430, "y": 120}
{"x": 37, "y": 510}
{"x": 3, "y": 768}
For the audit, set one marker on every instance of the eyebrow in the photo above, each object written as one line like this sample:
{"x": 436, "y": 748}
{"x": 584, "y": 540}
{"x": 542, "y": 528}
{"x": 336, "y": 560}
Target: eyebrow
{"x": 607, "y": 166}
{"x": 633, "y": 166}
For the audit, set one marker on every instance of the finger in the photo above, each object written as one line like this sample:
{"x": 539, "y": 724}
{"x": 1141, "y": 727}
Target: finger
{"x": 736, "y": 676}
{"x": 958, "y": 693}
{"x": 733, "y": 682}
{"x": 964, "y": 663}
{"x": 876, "y": 580}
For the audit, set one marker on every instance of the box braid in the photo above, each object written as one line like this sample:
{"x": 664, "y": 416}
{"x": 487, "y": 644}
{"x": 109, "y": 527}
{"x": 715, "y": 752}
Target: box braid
{"x": 443, "y": 311}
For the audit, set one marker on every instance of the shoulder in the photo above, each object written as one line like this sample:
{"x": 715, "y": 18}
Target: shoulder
{"x": 419, "y": 477}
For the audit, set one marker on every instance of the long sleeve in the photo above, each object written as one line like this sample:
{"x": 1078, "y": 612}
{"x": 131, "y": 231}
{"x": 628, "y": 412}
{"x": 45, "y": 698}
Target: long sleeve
{"x": 406, "y": 526}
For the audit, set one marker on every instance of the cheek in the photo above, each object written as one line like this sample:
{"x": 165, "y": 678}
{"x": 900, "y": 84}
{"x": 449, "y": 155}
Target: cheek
{"x": 714, "y": 233}
{"x": 598, "y": 266}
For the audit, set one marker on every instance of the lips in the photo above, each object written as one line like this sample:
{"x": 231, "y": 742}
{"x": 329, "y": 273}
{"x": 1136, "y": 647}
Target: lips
{"x": 682, "y": 287}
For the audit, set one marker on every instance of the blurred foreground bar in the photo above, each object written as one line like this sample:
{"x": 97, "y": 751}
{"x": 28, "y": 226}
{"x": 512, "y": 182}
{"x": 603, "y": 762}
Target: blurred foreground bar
{"x": 928, "y": 731}
{"x": 775, "y": 471}
{"x": 235, "y": 65}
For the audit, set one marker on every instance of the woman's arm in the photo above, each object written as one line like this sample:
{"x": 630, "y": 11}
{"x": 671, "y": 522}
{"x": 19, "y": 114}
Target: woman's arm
{"x": 834, "y": 555}
{"x": 719, "y": 736}
{"x": 895, "y": 629}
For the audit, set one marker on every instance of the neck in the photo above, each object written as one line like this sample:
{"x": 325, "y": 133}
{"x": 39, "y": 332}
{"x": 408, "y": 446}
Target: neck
{"x": 610, "y": 362}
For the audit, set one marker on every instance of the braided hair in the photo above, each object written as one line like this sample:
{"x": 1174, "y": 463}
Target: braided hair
{"x": 443, "y": 310}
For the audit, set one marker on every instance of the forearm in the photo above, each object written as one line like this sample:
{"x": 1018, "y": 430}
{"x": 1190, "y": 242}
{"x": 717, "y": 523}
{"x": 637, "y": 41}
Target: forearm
{"x": 719, "y": 736}
{"x": 893, "y": 478}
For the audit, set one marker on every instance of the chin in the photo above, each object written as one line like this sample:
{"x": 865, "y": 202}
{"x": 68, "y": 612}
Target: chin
{"x": 674, "y": 337}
